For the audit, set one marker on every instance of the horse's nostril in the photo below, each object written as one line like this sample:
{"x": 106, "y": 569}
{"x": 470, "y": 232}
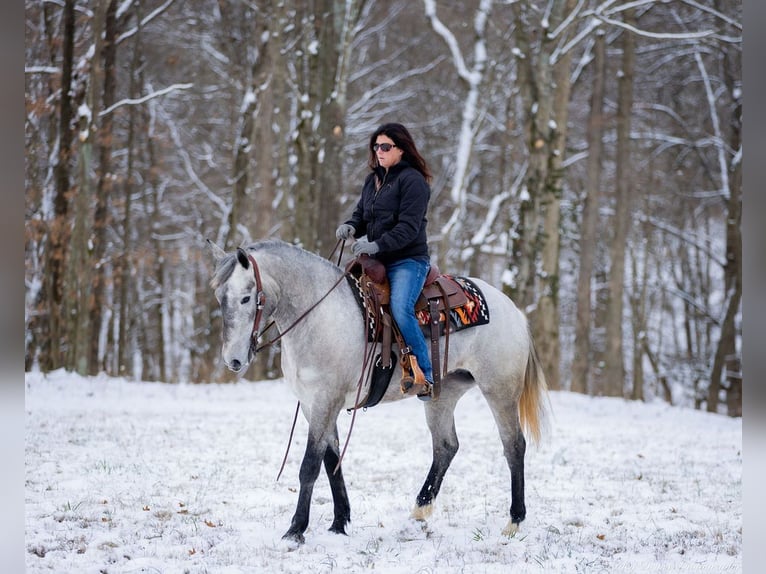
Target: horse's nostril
{"x": 236, "y": 365}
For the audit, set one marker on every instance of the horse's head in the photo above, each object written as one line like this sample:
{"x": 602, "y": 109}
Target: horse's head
{"x": 238, "y": 295}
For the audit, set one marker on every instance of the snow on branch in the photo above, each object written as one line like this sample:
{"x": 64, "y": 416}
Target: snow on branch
{"x": 41, "y": 70}
{"x": 480, "y": 237}
{"x": 145, "y": 21}
{"x": 715, "y": 13}
{"x": 558, "y": 53}
{"x": 655, "y": 35}
{"x": 189, "y": 165}
{"x": 567, "y": 21}
{"x": 451, "y": 41}
{"x": 701, "y": 243}
{"x": 374, "y": 92}
{"x": 146, "y": 98}
{"x": 711, "y": 102}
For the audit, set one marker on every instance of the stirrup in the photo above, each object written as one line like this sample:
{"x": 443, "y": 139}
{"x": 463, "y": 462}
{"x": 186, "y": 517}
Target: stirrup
{"x": 406, "y": 383}
{"x": 427, "y": 393}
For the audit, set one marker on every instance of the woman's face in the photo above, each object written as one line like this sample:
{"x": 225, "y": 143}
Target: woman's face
{"x": 387, "y": 158}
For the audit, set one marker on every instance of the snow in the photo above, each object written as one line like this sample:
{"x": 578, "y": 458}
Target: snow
{"x": 147, "y": 477}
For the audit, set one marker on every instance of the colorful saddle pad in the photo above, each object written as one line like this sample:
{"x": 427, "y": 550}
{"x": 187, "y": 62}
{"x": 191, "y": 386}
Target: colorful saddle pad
{"x": 474, "y": 313}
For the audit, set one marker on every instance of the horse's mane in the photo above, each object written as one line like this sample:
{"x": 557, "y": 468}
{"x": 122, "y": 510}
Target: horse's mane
{"x": 225, "y": 265}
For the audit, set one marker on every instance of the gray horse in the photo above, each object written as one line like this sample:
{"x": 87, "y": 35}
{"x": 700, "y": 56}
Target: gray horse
{"x": 322, "y": 360}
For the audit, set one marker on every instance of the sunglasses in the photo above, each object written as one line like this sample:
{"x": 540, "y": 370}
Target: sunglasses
{"x": 383, "y": 146}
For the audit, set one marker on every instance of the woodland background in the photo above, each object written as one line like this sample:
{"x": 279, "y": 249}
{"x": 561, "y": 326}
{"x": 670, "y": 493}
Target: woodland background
{"x": 587, "y": 158}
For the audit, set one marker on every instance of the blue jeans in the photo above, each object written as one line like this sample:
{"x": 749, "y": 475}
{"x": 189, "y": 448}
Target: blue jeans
{"x": 406, "y": 278}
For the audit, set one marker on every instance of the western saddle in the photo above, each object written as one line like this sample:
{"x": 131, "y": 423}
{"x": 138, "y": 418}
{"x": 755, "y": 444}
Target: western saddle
{"x": 440, "y": 294}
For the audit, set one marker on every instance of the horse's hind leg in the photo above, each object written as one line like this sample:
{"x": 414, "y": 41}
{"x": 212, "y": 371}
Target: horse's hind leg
{"x": 342, "y": 508}
{"x": 514, "y": 454}
{"x": 440, "y": 416}
{"x": 506, "y": 415}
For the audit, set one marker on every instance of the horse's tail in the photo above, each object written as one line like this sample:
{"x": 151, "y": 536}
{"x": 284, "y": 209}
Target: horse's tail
{"x": 533, "y": 395}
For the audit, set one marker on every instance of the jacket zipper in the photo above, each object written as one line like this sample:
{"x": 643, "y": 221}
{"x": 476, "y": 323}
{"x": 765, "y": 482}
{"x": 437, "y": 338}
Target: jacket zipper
{"x": 377, "y": 192}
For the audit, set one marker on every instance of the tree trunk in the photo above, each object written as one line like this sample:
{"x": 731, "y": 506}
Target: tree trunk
{"x": 242, "y": 215}
{"x": 101, "y": 217}
{"x": 534, "y": 89}
{"x": 638, "y": 312}
{"x": 588, "y": 239}
{"x": 547, "y": 317}
{"x": 545, "y": 92}
{"x": 125, "y": 261}
{"x": 58, "y": 233}
{"x": 79, "y": 272}
{"x": 453, "y": 240}
{"x": 614, "y": 375}
{"x": 727, "y": 346}
{"x": 725, "y": 350}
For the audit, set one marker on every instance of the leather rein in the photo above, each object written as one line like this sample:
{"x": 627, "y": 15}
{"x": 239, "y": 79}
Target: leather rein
{"x": 260, "y": 298}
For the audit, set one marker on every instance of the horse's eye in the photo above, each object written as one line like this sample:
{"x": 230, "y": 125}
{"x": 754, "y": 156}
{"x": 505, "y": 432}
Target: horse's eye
{"x": 245, "y": 300}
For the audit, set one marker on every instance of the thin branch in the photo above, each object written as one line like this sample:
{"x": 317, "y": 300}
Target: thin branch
{"x": 716, "y": 124}
{"x": 567, "y": 21}
{"x": 656, "y": 35}
{"x": 151, "y": 16}
{"x": 715, "y": 13}
{"x": 450, "y": 40}
{"x": 146, "y": 98}
{"x": 690, "y": 238}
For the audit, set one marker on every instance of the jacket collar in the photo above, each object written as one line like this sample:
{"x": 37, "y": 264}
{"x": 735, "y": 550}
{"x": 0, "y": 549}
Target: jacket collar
{"x": 392, "y": 171}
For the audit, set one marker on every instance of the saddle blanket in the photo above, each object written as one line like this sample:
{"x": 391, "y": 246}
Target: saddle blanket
{"x": 474, "y": 313}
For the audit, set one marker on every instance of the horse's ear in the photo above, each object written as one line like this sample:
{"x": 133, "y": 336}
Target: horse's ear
{"x": 217, "y": 252}
{"x": 242, "y": 258}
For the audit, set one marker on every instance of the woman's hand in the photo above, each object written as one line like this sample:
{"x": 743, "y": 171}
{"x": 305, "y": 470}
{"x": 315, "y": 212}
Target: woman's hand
{"x": 364, "y": 247}
{"x": 345, "y": 231}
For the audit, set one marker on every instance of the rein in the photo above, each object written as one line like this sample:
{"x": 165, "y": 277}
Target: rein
{"x": 261, "y": 297}
{"x": 254, "y": 348}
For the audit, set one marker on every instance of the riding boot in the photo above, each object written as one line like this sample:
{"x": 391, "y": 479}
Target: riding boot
{"x": 408, "y": 379}
{"x": 413, "y": 376}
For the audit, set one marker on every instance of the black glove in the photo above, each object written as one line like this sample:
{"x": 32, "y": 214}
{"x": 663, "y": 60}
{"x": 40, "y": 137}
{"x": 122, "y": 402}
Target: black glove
{"x": 345, "y": 231}
{"x": 364, "y": 247}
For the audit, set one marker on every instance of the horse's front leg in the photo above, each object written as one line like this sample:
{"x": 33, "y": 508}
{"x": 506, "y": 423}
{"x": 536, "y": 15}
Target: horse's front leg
{"x": 342, "y": 508}
{"x": 321, "y": 447}
{"x": 310, "y": 466}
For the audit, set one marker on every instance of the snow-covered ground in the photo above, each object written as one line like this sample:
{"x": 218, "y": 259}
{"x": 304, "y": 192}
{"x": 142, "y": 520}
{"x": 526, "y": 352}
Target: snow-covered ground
{"x": 128, "y": 477}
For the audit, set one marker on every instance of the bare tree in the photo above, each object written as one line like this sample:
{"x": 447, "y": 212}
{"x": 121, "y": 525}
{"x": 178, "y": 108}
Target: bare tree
{"x": 471, "y": 78}
{"x": 101, "y": 215}
{"x": 588, "y": 239}
{"x": 615, "y": 368}
{"x": 58, "y": 234}
{"x": 250, "y": 120}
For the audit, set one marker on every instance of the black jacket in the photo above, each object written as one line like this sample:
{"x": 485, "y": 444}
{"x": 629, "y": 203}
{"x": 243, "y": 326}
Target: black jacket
{"x": 394, "y": 216}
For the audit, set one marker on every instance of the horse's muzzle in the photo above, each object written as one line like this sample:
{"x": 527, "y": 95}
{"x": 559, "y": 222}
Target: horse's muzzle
{"x": 237, "y": 366}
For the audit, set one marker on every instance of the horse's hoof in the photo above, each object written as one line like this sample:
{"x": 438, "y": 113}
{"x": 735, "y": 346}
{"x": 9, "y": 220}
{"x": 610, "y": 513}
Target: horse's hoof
{"x": 511, "y": 529}
{"x": 338, "y": 530}
{"x": 296, "y": 538}
{"x": 422, "y": 513}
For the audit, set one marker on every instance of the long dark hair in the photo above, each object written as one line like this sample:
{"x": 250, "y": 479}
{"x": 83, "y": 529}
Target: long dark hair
{"x": 403, "y": 140}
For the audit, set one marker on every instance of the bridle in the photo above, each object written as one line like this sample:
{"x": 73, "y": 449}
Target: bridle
{"x": 260, "y": 298}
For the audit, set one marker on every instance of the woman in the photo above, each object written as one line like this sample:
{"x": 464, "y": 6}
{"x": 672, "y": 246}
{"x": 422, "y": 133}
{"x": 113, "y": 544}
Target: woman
{"x": 391, "y": 213}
